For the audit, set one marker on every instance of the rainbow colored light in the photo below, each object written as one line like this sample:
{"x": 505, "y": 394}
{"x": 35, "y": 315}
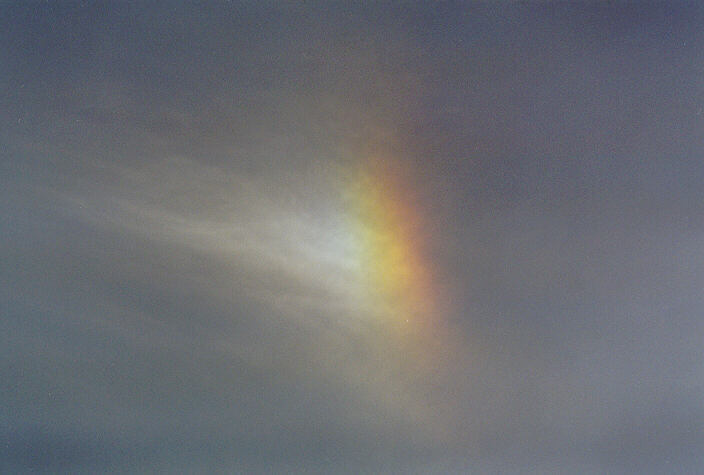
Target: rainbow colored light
{"x": 390, "y": 232}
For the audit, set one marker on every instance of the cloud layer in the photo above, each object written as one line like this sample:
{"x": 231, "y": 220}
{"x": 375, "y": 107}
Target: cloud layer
{"x": 217, "y": 219}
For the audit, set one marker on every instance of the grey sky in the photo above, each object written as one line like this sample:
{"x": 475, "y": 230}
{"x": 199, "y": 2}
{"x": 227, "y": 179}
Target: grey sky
{"x": 181, "y": 288}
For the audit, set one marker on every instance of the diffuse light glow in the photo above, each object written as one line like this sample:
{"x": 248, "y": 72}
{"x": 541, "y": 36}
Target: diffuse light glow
{"x": 390, "y": 233}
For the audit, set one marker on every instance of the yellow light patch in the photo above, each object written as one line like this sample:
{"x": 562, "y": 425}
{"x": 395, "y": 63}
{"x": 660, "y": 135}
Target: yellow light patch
{"x": 389, "y": 229}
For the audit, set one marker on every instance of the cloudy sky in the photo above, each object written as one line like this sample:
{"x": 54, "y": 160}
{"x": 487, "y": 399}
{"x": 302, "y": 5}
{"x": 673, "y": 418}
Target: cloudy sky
{"x": 338, "y": 237}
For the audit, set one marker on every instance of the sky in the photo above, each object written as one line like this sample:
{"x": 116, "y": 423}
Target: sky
{"x": 351, "y": 237}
